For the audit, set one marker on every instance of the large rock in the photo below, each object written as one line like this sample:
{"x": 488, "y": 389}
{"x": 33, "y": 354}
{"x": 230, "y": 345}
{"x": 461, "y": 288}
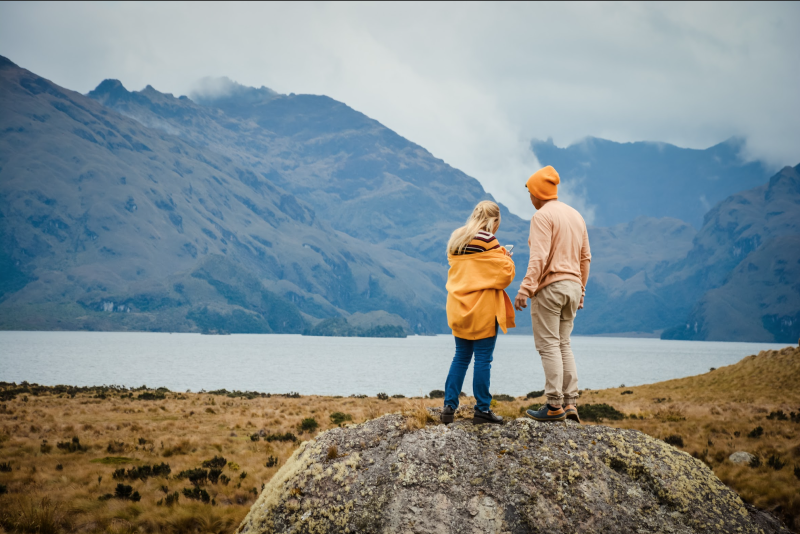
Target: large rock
{"x": 522, "y": 477}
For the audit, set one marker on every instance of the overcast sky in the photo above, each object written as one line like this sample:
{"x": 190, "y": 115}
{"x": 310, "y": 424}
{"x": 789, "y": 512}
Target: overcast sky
{"x": 472, "y": 83}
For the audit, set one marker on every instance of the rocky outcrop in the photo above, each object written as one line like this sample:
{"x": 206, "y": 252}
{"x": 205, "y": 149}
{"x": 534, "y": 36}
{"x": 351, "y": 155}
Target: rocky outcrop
{"x": 521, "y": 477}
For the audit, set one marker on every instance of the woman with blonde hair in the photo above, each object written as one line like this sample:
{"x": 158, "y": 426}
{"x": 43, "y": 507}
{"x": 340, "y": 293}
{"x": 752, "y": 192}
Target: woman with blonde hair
{"x": 477, "y": 305}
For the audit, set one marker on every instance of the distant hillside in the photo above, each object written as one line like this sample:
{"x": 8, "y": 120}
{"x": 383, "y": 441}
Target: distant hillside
{"x": 109, "y": 224}
{"x": 747, "y": 258}
{"x": 622, "y": 181}
{"x": 736, "y": 279}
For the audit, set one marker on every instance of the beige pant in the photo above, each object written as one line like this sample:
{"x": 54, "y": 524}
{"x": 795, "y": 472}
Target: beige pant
{"x": 553, "y": 314}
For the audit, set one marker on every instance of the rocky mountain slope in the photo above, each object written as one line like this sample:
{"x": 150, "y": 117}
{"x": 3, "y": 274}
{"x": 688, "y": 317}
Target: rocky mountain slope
{"x": 735, "y": 279}
{"x": 109, "y": 224}
{"x": 522, "y": 477}
{"x": 622, "y": 181}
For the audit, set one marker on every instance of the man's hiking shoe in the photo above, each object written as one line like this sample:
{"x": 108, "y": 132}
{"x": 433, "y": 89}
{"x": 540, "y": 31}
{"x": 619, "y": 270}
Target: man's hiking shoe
{"x": 479, "y": 418}
{"x": 448, "y": 414}
{"x": 548, "y": 413}
{"x": 572, "y": 413}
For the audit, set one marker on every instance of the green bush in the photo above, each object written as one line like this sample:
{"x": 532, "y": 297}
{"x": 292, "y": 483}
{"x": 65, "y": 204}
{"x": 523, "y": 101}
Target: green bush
{"x": 217, "y": 461}
{"x": 598, "y": 412}
{"x": 196, "y": 494}
{"x": 436, "y": 394}
{"x": 288, "y": 436}
{"x": 71, "y": 446}
{"x": 337, "y": 418}
{"x": 757, "y": 432}
{"x": 383, "y": 396}
{"x": 675, "y": 440}
{"x": 503, "y": 398}
{"x": 309, "y": 424}
{"x": 534, "y": 394}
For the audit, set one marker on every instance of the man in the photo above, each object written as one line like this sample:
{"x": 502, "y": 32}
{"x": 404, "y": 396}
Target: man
{"x": 556, "y": 284}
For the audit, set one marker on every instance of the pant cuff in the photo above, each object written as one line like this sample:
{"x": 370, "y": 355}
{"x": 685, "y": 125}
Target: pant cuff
{"x": 554, "y": 400}
{"x": 571, "y": 400}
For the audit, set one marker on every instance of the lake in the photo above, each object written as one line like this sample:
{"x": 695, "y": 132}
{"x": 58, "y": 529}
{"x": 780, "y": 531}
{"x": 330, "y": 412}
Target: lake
{"x": 336, "y": 366}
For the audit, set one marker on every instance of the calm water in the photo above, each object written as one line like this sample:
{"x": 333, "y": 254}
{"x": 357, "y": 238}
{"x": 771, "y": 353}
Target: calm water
{"x": 335, "y": 366}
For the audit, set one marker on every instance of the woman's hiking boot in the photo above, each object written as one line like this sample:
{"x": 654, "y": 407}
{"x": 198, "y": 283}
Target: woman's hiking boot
{"x": 479, "y": 417}
{"x": 448, "y": 414}
{"x": 572, "y": 412}
{"x": 548, "y": 413}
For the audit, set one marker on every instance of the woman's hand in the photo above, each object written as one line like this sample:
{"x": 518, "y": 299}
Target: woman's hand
{"x": 509, "y": 254}
{"x": 520, "y": 302}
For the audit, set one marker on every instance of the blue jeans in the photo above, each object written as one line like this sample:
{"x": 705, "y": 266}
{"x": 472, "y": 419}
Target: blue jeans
{"x": 483, "y": 350}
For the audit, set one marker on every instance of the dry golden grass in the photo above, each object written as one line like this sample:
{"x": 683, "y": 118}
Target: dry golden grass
{"x": 713, "y": 413}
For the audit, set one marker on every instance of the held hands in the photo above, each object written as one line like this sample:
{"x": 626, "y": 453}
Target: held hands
{"x": 520, "y": 302}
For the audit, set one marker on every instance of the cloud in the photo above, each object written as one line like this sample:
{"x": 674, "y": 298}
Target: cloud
{"x": 473, "y": 83}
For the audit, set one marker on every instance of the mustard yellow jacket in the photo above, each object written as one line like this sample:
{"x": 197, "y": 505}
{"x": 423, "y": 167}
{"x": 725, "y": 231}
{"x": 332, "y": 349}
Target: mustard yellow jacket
{"x": 476, "y": 296}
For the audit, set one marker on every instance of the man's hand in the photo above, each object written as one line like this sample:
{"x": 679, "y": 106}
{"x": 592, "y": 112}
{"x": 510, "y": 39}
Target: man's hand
{"x": 520, "y": 302}
{"x": 580, "y": 306}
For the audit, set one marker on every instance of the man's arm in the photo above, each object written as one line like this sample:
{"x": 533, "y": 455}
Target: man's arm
{"x": 586, "y": 259}
{"x": 539, "y": 244}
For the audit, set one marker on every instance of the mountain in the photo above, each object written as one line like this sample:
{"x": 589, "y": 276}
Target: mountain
{"x": 622, "y": 181}
{"x": 142, "y": 211}
{"x": 745, "y": 263}
{"x": 734, "y": 280}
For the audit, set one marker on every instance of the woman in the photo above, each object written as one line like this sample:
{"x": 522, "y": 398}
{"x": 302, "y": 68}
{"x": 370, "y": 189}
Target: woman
{"x": 480, "y": 269}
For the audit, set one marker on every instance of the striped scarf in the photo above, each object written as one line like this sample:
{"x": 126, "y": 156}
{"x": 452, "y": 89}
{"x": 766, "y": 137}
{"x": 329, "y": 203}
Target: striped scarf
{"x": 482, "y": 242}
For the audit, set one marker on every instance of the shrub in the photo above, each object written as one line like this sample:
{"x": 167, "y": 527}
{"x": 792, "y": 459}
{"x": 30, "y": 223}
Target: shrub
{"x": 797, "y": 472}
{"x": 338, "y": 418}
{"x": 214, "y": 474}
{"x": 158, "y": 395}
{"x": 627, "y": 392}
{"x": 115, "y": 447}
{"x": 775, "y": 462}
{"x": 45, "y": 447}
{"x": 778, "y": 416}
{"x": 436, "y": 394}
{"x": 333, "y": 452}
{"x": 755, "y": 461}
{"x": 255, "y": 437}
{"x": 142, "y": 472}
{"x": 757, "y": 432}
{"x": 675, "y": 440}
{"x": 534, "y": 394}
{"x": 217, "y": 461}
{"x": 309, "y": 424}
{"x": 288, "y": 436}
{"x": 503, "y": 398}
{"x": 59, "y": 467}
{"x": 4, "y": 489}
{"x": 170, "y": 500}
{"x": 5, "y": 467}
{"x": 224, "y": 480}
{"x": 196, "y": 494}
{"x": 243, "y": 475}
{"x": 398, "y": 396}
{"x": 126, "y": 492}
{"x": 383, "y": 396}
{"x": 291, "y": 395}
{"x": 195, "y": 476}
{"x": 598, "y": 412}
{"x": 71, "y": 446}
{"x": 271, "y": 461}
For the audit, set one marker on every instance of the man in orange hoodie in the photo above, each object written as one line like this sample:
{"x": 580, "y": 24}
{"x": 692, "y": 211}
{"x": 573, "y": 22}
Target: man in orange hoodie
{"x": 555, "y": 282}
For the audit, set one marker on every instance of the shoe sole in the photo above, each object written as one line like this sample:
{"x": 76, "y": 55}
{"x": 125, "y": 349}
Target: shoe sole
{"x": 447, "y": 419}
{"x": 549, "y": 419}
{"x": 481, "y": 421}
{"x": 574, "y": 417}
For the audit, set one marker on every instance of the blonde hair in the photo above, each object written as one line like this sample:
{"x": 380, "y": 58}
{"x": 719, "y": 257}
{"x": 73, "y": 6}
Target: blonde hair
{"x": 485, "y": 216}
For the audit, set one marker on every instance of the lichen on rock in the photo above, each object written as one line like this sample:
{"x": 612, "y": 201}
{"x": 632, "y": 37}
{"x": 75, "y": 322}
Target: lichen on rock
{"x": 523, "y": 476}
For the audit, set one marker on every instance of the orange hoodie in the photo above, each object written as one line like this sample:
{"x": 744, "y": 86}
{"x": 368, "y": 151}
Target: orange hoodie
{"x": 475, "y": 296}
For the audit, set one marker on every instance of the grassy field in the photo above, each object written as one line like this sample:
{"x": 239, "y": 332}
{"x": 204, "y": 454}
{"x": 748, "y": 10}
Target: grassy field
{"x": 114, "y": 460}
